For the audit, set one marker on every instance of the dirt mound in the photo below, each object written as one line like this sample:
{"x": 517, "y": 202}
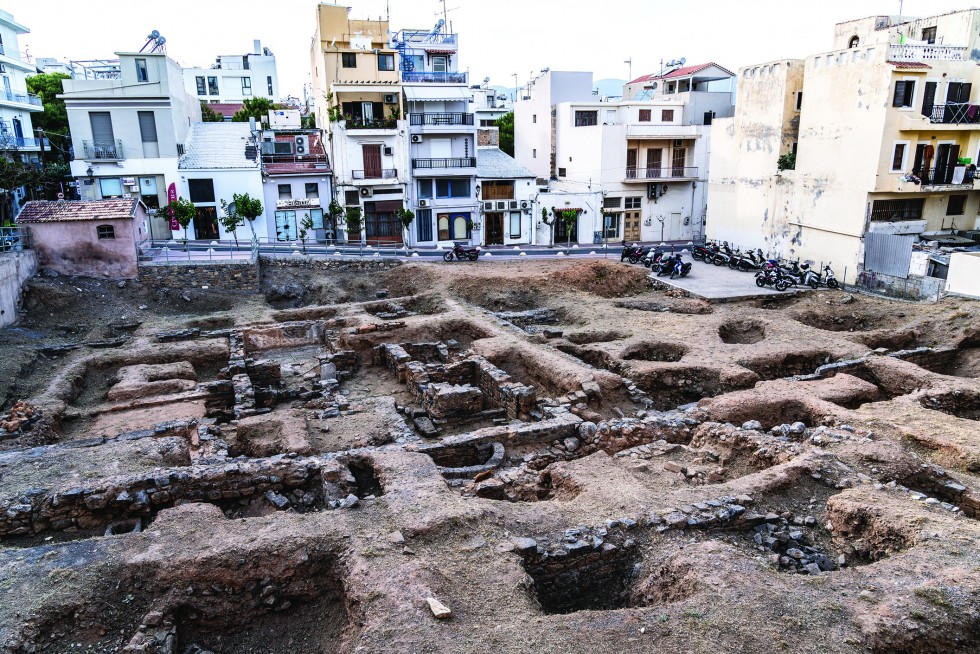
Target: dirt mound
{"x": 602, "y": 278}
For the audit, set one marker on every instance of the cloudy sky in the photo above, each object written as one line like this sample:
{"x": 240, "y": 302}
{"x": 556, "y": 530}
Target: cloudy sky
{"x": 497, "y": 39}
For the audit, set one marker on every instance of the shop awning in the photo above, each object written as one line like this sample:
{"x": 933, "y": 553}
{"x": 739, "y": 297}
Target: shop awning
{"x": 436, "y": 92}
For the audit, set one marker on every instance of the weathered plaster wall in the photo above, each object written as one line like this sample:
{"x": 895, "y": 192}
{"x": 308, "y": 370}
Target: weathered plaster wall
{"x": 15, "y": 269}
{"x": 73, "y": 248}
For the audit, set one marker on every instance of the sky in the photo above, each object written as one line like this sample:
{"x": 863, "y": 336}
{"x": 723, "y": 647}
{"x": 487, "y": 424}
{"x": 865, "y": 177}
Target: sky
{"x": 497, "y": 38}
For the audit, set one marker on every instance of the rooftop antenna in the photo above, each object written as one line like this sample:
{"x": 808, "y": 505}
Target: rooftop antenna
{"x": 630, "y": 63}
{"x": 158, "y": 42}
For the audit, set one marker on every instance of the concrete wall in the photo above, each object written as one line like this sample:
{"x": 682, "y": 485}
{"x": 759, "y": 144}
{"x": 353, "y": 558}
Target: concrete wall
{"x": 15, "y": 269}
{"x": 964, "y": 274}
{"x": 956, "y": 28}
{"x": 532, "y": 117}
{"x": 74, "y": 248}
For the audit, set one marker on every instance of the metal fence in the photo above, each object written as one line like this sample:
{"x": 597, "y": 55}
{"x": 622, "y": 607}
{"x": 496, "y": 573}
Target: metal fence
{"x": 178, "y": 250}
{"x": 15, "y": 239}
{"x": 889, "y": 254}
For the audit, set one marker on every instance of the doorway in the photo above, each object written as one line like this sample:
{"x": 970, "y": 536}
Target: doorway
{"x": 372, "y": 161}
{"x": 675, "y": 226}
{"x": 631, "y": 226}
{"x": 206, "y": 223}
{"x": 495, "y": 228}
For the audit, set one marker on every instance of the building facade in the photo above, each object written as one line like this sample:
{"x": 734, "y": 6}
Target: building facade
{"x": 235, "y": 78}
{"x": 507, "y": 191}
{"x": 129, "y": 119}
{"x": 885, "y": 136}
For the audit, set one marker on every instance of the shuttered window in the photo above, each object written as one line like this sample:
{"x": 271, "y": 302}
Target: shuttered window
{"x": 148, "y": 126}
{"x": 904, "y": 91}
{"x": 101, "y": 127}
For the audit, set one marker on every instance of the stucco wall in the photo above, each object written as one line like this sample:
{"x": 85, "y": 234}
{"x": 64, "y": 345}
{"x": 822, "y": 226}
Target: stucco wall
{"x": 964, "y": 274}
{"x": 73, "y": 248}
{"x": 15, "y": 269}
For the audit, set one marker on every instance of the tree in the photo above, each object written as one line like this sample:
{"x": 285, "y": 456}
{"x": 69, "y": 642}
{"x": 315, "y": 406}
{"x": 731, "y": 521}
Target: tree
{"x": 54, "y": 119}
{"x": 257, "y": 108}
{"x": 335, "y": 212}
{"x": 567, "y": 216}
{"x": 786, "y": 161}
{"x": 305, "y": 226}
{"x": 353, "y": 219}
{"x": 506, "y": 126}
{"x": 209, "y": 115}
{"x": 243, "y": 207}
{"x": 184, "y": 211}
{"x": 406, "y": 216}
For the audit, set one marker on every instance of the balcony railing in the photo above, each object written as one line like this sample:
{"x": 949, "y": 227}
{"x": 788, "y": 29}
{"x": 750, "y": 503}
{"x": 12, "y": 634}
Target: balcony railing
{"x": 22, "y": 98}
{"x": 665, "y": 172}
{"x": 380, "y": 123}
{"x": 440, "y": 119}
{"x": 944, "y": 176}
{"x": 8, "y": 142}
{"x": 955, "y": 113}
{"x": 926, "y": 53}
{"x": 377, "y": 173}
{"x": 456, "y": 162}
{"x": 427, "y": 38}
{"x": 104, "y": 151}
{"x": 433, "y": 77}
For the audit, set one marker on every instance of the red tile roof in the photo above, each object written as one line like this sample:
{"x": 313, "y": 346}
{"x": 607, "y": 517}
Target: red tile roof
{"x": 681, "y": 72}
{"x": 909, "y": 65}
{"x": 44, "y": 211}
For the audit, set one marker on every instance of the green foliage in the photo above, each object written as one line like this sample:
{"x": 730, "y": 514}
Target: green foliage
{"x": 544, "y": 216}
{"x": 257, "y": 108}
{"x": 406, "y": 216}
{"x": 209, "y": 115}
{"x": 335, "y": 211}
{"x": 787, "y": 161}
{"x": 353, "y": 220}
{"x": 54, "y": 119}
{"x": 308, "y": 122}
{"x": 567, "y": 216}
{"x": 506, "y": 126}
{"x": 184, "y": 211}
{"x": 40, "y": 182}
{"x": 243, "y": 208}
{"x": 305, "y": 226}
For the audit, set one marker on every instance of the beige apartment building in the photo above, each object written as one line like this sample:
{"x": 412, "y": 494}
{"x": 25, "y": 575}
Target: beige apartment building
{"x": 885, "y": 130}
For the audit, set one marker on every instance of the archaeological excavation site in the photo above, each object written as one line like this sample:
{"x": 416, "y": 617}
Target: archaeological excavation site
{"x": 556, "y": 456}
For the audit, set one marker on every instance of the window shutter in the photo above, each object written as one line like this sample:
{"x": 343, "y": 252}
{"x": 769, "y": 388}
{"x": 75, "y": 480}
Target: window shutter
{"x": 101, "y": 127}
{"x": 148, "y": 126}
{"x": 965, "y": 90}
{"x": 899, "y": 99}
{"x": 928, "y": 99}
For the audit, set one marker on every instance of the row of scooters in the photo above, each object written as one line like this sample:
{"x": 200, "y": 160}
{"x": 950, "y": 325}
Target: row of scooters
{"x": 768, "y": 272}
{"x": 658, "y": 259}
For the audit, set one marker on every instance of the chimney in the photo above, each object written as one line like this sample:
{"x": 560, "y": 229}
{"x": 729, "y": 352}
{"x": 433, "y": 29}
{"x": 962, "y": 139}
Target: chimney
{"x": 257, "y": 47}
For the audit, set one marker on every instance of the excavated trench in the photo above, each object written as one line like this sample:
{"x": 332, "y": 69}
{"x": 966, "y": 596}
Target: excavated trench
{"x": 585, "y": 338}
{"x": 962, "y": 404}
{"x": 780, "y": 366}
{"x": 595, "y": 358}
{"x": 742, "y": 332}
{"x": 655, "y": 352}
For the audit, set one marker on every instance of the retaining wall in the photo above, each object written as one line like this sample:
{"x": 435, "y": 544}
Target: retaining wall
{"x": 15, "y": 269}
{"x": 240, "y": 275}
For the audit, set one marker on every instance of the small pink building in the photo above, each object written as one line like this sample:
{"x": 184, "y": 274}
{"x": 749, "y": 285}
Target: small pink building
{"x": 97, "y": 238}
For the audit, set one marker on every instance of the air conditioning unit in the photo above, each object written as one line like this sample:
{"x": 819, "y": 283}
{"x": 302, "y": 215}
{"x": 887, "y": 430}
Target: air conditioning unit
{"x": 389, "y": 151}
{"x": 488, "y": 206}
{"x": 423, "y": 204}
{"x": 501, "y": 206}
{"x": 391, "y": 98}
{"x": 513, "y": 204}
{"x": 365, "y": 192}
{"x": 3, "y": 68}
{"x": 134, "y": 188}
{"x": 525, "y": 204}
{"x": 416, "y": 138}
{"x": 302, "y": 144}
{"x": 678, "y": 143}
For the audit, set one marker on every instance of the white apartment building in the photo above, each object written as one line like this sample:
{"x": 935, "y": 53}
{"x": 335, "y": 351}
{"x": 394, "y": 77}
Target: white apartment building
{"x": 490, "y": 105}
{"x": 507, "y": 192}
{"x": 235, "y": 78}
{"x": 17, "y": 137}
{"x": 129, "y": 120}
{"x": 52, "y": 65}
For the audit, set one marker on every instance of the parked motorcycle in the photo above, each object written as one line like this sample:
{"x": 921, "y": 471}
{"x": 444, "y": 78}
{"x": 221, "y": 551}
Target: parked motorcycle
{"x": 704, "y": 252}
{"x": 723, "y": 255}
{"x": 815, "y": 280}
{"x": 462, "y": 252}
{"x": 652, "y": 258}
{"x": 768, "y": 275}
{"x": 632, "y": 252}
{"x": 680, "y": 268}
{"x": 754, "y": 260}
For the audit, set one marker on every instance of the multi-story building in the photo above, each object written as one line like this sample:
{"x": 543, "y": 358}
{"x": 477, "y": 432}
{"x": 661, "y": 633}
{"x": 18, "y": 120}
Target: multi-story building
{"x": 17, "y": 137}
{"x": 506, "y": 190}
{"x": 236, "y": 78}
{"x": 129, "y": 120}
{"x": 52, "y": 65}
{"x": 491, "y": 105}
{"x": 647, "y": 156}
{"x": 885, "y": 134}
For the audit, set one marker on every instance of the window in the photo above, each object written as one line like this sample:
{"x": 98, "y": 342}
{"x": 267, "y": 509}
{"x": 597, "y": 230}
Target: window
{"x": 141, "y": 72}
{"x": 611, "y": 203}
{"x": 534, "y": 153}
{"x": 413, "y": 62}
{"x": 312, "y": 189}
{"x": 586, "y": 118}
{"x": 666, "y": 115}
{"x": 854, "y": 42}
{"x": 709, "y": 117}
{"x": 562, "y": 172}
{"x": 201, "y": 88}
{"x": 534, "y": 118}
{"x": 212, "y": 86}
{"x": 268, "y": 82}
{"x": 956, "y": 205}
{"x": 611, "y": 226}
{"x": 101, "y": 124}
{"x": 105, "y": 232}
{"x": 423, "y": 224}
{"x": 285, "y": 192}
{"x": 799, "y": 100}
{"x": 904, "y": 91}
{"x": 351, "y": 198}
{"x": 348, "y": 59}
{"x": 386, "y": 62}
{"x": 929, "y": 34}
{"x": 440, "y": 64}
{"x": 246, "y": 86}
{"x": 515, "y": 224}
{"x": 425, "y": 189}
{"x": 201, "y": 190}
{"x": 148, "y": 126}
{"x": 110, "y": 187}
{"x": 898, "y": 157}
{"x": 316, "y": 217}
{"x": 634, "y": 202}
{"x": 452, "y": 188}
{"x": 892, "y": 210}
{"x": 645, "y": 115}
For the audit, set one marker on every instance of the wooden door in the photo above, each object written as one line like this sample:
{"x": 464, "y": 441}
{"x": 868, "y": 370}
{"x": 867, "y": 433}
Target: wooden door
{"x": 495, "y": 228}
{"x": 372, "y": 161}
{"x": 631, "y": 226}
{"x": 678, "y": 161}
{"x": 631, "y": 163}
{"x": 928, "y": 99}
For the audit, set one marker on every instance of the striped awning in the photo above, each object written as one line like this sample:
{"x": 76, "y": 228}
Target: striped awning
{"x": 439, "y": 51}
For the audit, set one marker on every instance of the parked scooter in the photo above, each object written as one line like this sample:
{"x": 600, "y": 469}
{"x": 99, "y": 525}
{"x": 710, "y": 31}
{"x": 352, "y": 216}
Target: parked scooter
{"x": 723, "y": 255}
{"x": 681, "y": 267}
{"x": 814, "y": 279}
{"x": 754, "y": 260}
{"x": 704, "y": 252}
{"x": 631, "y": 252}
{"x": 652, "y": 258}
{"x": 462, "y": 252}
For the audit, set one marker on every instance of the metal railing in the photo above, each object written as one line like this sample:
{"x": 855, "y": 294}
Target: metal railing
{"x": 378, "y": 173}
{"x": 664, "y": 172}
{"x": 943, "y": 175}
{"x": 954, "y": 113}
{"x": 14, "y": 239}
{"x": 456, "y": 162}
{"x": 926, "y": 53}
{"x": 351, "y": 122}
{"x": 432, "y": 77}
{"x": 9, "y": 142}
{"x": 22, "y": 98}
{"x": 106, "y": 151}
{"x": 178, "y": 250}
{"x": 427, "y": 38}
{"x": 454, "y": 118}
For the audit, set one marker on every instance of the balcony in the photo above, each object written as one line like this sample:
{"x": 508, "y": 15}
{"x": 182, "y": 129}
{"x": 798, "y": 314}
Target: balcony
{"x": 440, "y": 119}
{"x": 927, "y": 53}
{"x": 457, "y": 162}
{"x": 427, "y": 77}
{"x": 8, "y": 142}
{"x": 958, "y": 113}
{"x": 19, "y": 98}
{"x": 663, "y": 174}
{"x": 377, "y": 173}
{"x": 103, "y": 151}
{"x": 947, "y": 176}
{"x": 419, "y": 37}
{"x": 380, "y": 123}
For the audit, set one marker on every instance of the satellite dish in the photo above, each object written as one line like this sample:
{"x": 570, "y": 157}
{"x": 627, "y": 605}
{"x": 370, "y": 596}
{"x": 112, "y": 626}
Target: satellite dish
{"x": 440, "y": 23}
{"x": 683, "y": 61}
{"x": 161, "y": 40}
{"x": 154, "y": 34}
{"x": 653, "y": 86}
{"x": 486, "y": 79}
